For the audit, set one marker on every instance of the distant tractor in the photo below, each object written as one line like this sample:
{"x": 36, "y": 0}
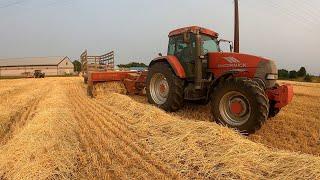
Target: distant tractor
{"x": 38, "y": 74}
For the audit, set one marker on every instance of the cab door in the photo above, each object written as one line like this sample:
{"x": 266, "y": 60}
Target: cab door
{"x": 184, "y": 51}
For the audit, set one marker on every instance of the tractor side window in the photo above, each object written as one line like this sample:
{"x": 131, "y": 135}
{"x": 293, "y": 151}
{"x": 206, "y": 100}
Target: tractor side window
{"x": 209, "y": 44}
{"x": 172, "y": 46}
{"x": 176, "y": 45}
{"x": 180, "y": 46}
{"x": 184, "y": 51}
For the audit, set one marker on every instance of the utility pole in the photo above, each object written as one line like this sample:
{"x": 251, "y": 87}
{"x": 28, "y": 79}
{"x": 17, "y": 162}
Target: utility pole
{"x": 236, "y": 27}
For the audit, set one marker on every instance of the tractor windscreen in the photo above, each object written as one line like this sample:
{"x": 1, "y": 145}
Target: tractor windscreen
{"x": 209, "y": 44}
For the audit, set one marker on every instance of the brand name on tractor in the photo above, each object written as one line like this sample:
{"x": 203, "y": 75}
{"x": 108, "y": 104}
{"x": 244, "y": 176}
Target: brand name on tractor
{"x": 232, "y": 62}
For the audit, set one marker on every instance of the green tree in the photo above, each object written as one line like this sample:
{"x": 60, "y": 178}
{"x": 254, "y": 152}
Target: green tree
{"x": 283, "y": 74}
{"x": 293, "y": 74}
{"x": 77, "y": 66}
{"x": 308, "y": 78}
{"x": 132, "y": 64}
{"x": 302, "y": 72}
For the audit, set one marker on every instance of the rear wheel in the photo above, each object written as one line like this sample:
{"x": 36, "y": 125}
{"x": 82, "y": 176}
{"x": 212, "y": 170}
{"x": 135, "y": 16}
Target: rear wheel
{"x": 240, "y": 103}
{"x": 164, "y": 88}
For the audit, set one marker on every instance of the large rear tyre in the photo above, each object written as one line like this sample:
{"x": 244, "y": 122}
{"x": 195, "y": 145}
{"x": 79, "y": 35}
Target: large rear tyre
{"x": 164, "y": 88}
{"x": 241, "y": 104}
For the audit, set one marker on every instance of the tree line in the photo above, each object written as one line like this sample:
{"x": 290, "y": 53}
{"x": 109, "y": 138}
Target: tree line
{"x": 293, "y": 75}
{"x": 77, "y": 65}
{"x": 132, "y": 64}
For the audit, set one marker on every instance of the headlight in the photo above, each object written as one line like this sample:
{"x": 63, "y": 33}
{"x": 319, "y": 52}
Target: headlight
{"x": 272, "y": 76}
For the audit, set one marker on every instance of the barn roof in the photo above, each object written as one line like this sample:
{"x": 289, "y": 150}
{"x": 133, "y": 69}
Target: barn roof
{"x": 32, "y": 61}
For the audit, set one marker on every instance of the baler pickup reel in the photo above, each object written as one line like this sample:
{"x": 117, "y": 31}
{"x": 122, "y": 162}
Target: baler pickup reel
{"x": 134, "y": 81}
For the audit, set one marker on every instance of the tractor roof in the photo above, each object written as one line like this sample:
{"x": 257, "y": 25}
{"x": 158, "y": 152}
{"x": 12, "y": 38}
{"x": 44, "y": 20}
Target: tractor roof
{"x": 193, "y": 29}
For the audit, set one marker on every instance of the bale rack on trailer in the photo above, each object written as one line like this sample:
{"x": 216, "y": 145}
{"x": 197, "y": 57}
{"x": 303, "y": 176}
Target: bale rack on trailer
{"x": 89, "y": 64}
{"x": 100, "y": 69}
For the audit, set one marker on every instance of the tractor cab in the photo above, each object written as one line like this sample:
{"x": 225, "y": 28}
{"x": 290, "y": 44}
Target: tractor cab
{"x": 187, "y": 44}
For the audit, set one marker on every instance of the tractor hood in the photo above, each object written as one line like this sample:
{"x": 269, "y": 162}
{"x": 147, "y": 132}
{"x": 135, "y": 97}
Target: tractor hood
{"x": 248, "y": 65}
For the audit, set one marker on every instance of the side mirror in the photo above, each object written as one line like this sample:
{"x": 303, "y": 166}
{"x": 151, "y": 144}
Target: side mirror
{"x": 226, "y": 41}
{"x": 160, "y": 54}
{"x": 231, "y": 47}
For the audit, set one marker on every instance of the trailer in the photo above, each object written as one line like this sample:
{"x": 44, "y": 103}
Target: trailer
{"x": 100, "y": 63}
{"x": 134, "y": 81}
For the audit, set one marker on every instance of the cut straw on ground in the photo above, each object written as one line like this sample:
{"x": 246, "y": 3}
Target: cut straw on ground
{"x": 64, "y": 134}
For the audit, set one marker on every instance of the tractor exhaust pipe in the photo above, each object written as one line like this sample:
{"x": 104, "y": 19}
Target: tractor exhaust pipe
{"x": 236, "y": 27}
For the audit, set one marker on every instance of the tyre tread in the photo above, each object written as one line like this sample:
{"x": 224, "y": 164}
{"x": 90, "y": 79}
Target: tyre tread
{"x": 261, "y": 112}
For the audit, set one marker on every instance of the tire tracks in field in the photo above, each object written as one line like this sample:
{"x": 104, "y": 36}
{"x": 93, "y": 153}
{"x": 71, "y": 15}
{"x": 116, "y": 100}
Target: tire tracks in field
{"x": 121, "y": 122}
{"x": 132, "y": 152}
{"x": 91, "y": 145}
{"x": 97, "y": 143}
{"x": 93, "y": 142}
{"x": 109, "y": 126}
{"x": 20, "y": 118}
{"x": 118, "y": 157}
{"x": 125, "y": 135}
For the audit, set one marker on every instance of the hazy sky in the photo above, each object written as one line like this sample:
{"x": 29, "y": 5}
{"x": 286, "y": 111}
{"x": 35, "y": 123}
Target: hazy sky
{"x": 286, "y": 31}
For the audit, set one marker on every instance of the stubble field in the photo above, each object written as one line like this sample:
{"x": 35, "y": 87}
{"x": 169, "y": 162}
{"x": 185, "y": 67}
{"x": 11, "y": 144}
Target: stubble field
{"x": 49, "y": 128}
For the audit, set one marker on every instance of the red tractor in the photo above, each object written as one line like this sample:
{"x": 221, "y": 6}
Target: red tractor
{"x": 241, "y": 88}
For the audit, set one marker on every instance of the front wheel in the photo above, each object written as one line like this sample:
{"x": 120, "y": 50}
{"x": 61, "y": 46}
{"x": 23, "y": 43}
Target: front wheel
{"x": 164, "y": 88}
{"x": 241, "y": 104}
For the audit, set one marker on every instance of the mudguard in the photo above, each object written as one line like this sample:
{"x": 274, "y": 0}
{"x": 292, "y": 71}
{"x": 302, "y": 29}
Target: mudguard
{"x": 174, "y": 63}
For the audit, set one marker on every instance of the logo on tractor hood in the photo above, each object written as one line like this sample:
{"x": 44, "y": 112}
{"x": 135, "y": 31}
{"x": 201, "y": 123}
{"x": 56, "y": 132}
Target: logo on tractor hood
{"x": 232, "y": 62}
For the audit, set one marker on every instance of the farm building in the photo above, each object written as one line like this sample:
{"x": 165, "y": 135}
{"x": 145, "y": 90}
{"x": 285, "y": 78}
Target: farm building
{"x": 51, "y": 66}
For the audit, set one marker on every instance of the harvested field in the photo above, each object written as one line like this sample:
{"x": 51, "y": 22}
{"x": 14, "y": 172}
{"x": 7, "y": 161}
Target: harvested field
{"x": 51, "y": 129}
{"x": 296, "y": 128}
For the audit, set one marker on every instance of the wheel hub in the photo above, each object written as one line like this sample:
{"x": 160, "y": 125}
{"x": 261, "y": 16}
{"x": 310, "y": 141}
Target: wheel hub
{"x": 159, "y": 88}
{"x": 163, "y": 88}
{"x": 238, "y": 107}
{"x": 234, "y": 108}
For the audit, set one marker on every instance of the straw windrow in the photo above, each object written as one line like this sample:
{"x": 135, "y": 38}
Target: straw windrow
{"x": 63, "y": 134}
